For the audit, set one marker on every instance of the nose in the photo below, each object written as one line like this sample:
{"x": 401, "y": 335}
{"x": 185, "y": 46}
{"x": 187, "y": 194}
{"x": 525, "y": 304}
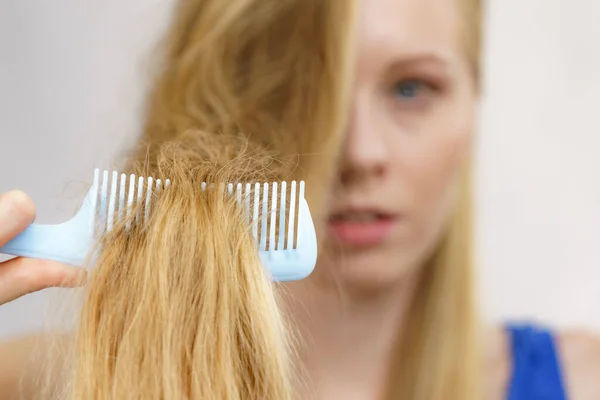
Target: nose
{"x": 365, "y": 154}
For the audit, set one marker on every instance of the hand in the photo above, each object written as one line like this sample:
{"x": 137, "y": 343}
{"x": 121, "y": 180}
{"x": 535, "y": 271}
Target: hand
{"x": 20, "y": 276}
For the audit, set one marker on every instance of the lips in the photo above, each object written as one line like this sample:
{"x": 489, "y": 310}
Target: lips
{"x": 359, "y": 228}
{"x": 357, "y": 217}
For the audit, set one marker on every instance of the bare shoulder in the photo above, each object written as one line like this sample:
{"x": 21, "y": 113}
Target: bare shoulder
{"x": 22, "y": 362}
{"x": 497, "y": 362}
{"x": 579, "y": 352}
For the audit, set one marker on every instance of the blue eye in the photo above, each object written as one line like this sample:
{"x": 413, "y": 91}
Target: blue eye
{"x": 409, "y": 89}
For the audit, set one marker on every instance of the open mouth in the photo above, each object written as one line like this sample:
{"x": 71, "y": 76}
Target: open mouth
{"x": 359, "y": 217}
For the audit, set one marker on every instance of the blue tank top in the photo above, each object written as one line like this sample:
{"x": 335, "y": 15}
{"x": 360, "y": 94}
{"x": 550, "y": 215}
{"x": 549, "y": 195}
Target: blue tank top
{"x": 536, "y": 371}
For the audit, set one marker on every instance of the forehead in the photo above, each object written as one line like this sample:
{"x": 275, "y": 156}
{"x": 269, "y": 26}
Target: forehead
{"x": 395, "y": 27}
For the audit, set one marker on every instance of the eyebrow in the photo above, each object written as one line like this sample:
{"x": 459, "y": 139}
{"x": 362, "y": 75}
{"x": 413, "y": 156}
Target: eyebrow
{"x": 443, "y": 61}
{"x": 430, "y": 56}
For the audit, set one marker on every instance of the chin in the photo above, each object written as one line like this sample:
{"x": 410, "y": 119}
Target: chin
{"x": 364, "y": 271}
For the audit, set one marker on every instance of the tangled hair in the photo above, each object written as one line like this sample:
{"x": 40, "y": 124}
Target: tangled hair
{"x": 180, "y": 307}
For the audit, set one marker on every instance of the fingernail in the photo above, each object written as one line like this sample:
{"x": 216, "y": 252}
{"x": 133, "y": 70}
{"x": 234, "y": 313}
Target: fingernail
{"x": 78, "y": 277}
{"x": 74, "y": 277}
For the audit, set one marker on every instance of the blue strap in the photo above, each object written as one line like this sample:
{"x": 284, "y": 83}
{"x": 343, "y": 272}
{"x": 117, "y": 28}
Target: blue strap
{"x": 536, "y": 368}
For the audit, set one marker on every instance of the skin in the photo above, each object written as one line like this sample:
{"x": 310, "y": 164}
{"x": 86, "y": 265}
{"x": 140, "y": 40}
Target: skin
{"x": 20, "y": 276}
{"x": 409, "y": 134}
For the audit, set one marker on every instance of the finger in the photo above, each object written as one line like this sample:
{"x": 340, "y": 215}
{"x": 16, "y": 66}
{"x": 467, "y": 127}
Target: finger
{"x": 20, "y": 276}
{"x": 17, "y": 211}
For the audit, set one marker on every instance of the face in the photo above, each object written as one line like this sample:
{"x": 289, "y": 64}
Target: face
{"x": 407, "y": 141}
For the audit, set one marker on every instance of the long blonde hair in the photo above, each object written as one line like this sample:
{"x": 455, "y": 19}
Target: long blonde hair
{"x": 279, "y": 73}
{"x": 439, "y": 355}
{"x": 180, "y": 307}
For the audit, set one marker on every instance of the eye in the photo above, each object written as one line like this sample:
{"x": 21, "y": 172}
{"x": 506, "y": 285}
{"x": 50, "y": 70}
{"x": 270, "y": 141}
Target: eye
{"x": 413, "y": 94}
{"x": 411, "y": 89}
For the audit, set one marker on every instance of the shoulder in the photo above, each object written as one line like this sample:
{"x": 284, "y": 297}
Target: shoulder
{"x": 579, "y": 352}
{"x": 497, "y": 362}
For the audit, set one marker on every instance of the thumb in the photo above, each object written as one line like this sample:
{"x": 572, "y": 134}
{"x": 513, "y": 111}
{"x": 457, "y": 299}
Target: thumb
{"x": 20, "y": 276}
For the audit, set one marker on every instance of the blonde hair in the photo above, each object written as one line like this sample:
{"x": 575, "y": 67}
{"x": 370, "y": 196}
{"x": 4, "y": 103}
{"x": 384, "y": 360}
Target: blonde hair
{"x": 277, "y": 72}
{"x": 438, "y": 356}
{"x": 180, "y": 306}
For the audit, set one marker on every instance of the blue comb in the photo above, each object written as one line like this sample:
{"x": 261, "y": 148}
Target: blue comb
{"x": 288, "y": 253}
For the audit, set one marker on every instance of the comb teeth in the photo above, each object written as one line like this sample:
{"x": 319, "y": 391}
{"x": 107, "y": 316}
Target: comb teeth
{"x": 269, "y": 208}
{"x": 279, "y": 215}
{"x": 116, "y": 197}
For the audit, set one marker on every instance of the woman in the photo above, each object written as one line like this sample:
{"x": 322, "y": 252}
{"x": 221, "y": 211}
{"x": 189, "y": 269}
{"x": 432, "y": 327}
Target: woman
{"x": 398, "y": 243}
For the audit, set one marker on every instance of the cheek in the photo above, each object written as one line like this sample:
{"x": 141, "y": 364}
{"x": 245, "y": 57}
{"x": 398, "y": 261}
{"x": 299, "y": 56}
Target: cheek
{"x": 432, "y": 167}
